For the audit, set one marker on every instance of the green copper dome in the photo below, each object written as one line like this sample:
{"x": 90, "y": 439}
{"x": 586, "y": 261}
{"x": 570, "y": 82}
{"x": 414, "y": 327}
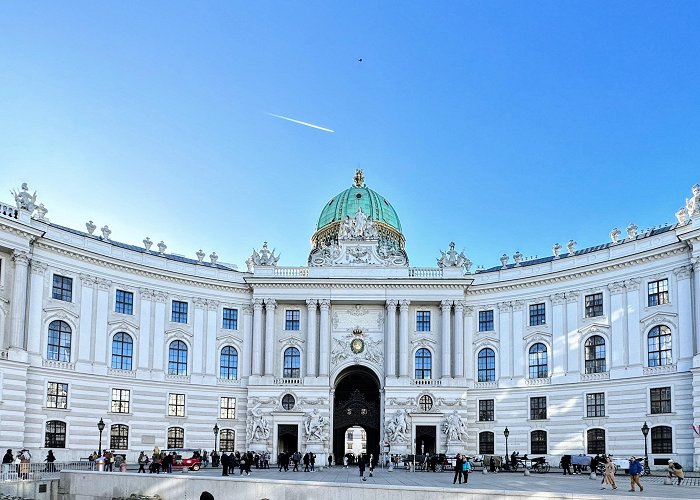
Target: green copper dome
{"x": 346, "y": 204}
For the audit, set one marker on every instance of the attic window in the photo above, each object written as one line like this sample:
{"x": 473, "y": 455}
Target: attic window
{"x": 331, "y": 202}
{"x": 386, "y": 201}
{"x": 358, "y": 195}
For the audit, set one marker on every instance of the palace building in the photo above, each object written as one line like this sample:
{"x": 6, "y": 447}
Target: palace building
{"x": 572, "y": 353}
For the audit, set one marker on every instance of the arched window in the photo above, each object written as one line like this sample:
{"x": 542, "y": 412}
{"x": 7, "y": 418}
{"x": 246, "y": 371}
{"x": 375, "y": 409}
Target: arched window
{"x": 227, "y": 440}
{"x": 538, "y": 442}
{"x": 596, "y": 441}
{"x": 424, "y": 364}
{"x": 177, "y": 359}
{"x": 119, "y": 437}
{"x": 486, "y": 365}
{"x": 55, "y": 436}
{"x": 659, "y": 342}
{"x": 486, "y": 446}
{"x": 122, "y": 352}
{"x": 661, "y": 439}
{"x": 228, "y": 365}
{"x": 59, "y": 341}
{"x": 292, "y": 361}
{"x": 176, "y": 437}
{"x": 595, "y": 354}
{"x": 425, "y": 403}
{"x": 538, "y": 361}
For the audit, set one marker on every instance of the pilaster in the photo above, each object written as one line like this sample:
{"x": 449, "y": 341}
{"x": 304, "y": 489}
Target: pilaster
{"x": 446, "y": 358}
{"x": 19, "y": 299}
{"x": 324, "y": 337}
{"x": 311, "y": 337}
{"x": 36, "y": 301}
{"x": 246, "y": 355}
{"x": 403, "y": 338}
{"x": 257, "y": 337}
{"x": 390, "y": 354}
{"x": 270, "y": 351}
{"x": 458, "y": 359}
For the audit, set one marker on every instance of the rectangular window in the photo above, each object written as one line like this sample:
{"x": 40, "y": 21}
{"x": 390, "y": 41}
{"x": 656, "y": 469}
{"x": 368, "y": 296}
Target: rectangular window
{"x": 179, "y": 312}
{"x": 422, "y": 321}
{"x": 661, "y": 400}
{"x": 120, "y": 400}
{"x": 62, "y": 288}
{"x": 230, "y": 319}
{"x": 228, "y": 408}
{"x": 538, "y": 408}
{"x": 594, "y": 305}
{"x": 124, "y": 303}
{"x": 486, "y": 410}
{"x": 595, "y": 404}
{"x": 486, "y": 321}
{"x": 486, "y": 443}
{"x": 291, "y": 319}
{"x": 57, "y": 396}
{"x": 657, "y": 292}
{"x": 176, "y": 405}
{"x": 537, "y": 315}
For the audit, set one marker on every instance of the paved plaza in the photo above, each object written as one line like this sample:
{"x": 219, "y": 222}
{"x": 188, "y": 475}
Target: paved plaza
{"x": 491, "y": 484}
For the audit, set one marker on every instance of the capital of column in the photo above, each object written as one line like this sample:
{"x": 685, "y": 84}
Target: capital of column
{"x": 103, "y": 284}
{"x": 616, "y": 287}
{"x": 248, "y": 310}
{"x": 324, "y": 304}
{"x": 517, "y": 305}
{"x": 20, "y": 257}
{"x": 161, "y": 297}
{"x": 199, "y": 303}
{"x": 459, "y": 306}
{"x": 404, "y": 303}
{"x": 87, "y": 280}
{"x": 257, "y": 304}
{"x": 558, "y": 298}
{"x": 212, "y": 305}
{"x": 504, "y": 307}
{"x": 446, "y": 305}
{"x": 38, "y": 268}
{"x": 146, "y": 294}
{"x": 696, "y": 264}
{"x": 311, "y": 303}
{"x": 632, "y": 284}
{"x": 270, "y": 304}
{"x": 391, "y": 304}
{"x": 572, "y": 296}
{"x": 683, "y": 272}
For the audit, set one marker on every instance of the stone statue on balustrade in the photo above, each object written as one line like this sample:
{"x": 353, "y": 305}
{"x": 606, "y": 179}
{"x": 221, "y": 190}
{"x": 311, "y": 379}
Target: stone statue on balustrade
{"x": 454, "y": 428}
{"x": 264, "y": 257}
{"x": 24, "y": 200}
{"x": 314, "y": 424}
{"x": 397, "y": 429}
{"x": 453, "y": 259}
{"x": 693, "y": 204}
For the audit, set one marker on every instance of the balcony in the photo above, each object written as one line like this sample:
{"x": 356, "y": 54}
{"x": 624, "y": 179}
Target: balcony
{"x": 289, "y": 381}
{"x": 228, "y": 381}
{"x": 59, "y": 365}
{"x": 427, "y": 381}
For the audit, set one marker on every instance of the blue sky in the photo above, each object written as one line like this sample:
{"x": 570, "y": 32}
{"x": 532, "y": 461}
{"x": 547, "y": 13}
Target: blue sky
{"x": 503, "y": 126}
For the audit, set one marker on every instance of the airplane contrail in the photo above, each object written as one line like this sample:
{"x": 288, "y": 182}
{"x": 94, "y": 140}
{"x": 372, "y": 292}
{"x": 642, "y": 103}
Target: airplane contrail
{"x": 301, "y": 123}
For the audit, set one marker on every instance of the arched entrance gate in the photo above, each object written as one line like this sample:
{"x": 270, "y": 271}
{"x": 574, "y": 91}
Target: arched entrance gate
{"x": 356, "y": 402}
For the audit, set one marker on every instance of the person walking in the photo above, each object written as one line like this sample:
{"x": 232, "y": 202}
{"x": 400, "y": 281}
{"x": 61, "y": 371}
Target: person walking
{"x": 345, "y": 461}
{"x": 7, "y": 460}
{"x": 142, "y": 460}
{"x": 371, "y": 465}
{"x": 361, "y": 466}
{"x": 224, "y": 463}
{"x": 635, "y": 470}
{"x": 330, "y": 461}
{"x": 609, "y": 474}
{"x": 566, "y": 464}
{"x": 675, "y": 470}
{"x": 312, "y": 461}
{"x": 459, "y": 465}
{"x": 50, "y": 459}
{"x": 306, "y": 462}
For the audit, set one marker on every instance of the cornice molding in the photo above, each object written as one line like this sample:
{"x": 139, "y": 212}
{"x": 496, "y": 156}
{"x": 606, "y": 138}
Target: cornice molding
{"x": 569, "y": 274}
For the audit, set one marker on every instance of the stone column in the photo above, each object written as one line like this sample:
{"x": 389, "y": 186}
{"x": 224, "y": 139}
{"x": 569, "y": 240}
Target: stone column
{"x": 458, "y": 360}
{"x": 446, "y": 338}
{"x": 504, "y": 336}
{"x": 573, "y": 337}
{"x": 257, "y": 337}
{"x": 469, "y": 342}
{"x": 211, "y": 354}
{"x": 390, "y": 343}
{"x": 198, "y": 335}
{"x": 145, "y": 333}
{"x": 685, "y": 314}
{"x": 517, "y": 356}
{"x": 36, "y": 299}
{"x": 632, "y": 331}
{"x": 270, "y": 349}
{"x": 696, "y": 297}
{"x": 84, "y": 336}
{"x": 19, "y": 299}
{"x": 404, "y": 353}
{"x": 246, "y": 355}
{"x": 311, "y": 348}
{"x": 617, "y": 331}
{"x": 159, "y": 347}
{"x": 325, "y": 338}
{"x": 559, "y": 347}
{"x": 101, "y": 317}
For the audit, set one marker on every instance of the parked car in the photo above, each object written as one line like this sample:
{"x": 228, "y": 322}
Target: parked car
{"x": 186, "y": 458}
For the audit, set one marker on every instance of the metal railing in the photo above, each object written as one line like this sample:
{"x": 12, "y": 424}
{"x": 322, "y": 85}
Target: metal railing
{"x": 41, "y": 471}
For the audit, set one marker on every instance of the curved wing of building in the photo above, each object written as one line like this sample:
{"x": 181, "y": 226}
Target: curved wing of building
{"x": 570, "y": 354}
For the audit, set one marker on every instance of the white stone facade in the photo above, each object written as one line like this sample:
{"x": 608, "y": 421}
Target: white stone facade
{"x": 356, "y": 305}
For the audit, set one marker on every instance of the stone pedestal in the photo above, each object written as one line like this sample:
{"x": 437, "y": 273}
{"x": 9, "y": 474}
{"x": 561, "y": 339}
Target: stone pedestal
{"x": 454, "y": 447}
{"x": 318, "y": 449}
{"x": 400, "y": 449}
{"x": 259, "y": 446}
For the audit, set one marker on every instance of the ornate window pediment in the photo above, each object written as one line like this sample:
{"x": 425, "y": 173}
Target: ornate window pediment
{"x": 292, "y": 341}
{"x": 660, "y": 318}
{"x": 538, "y": 336}
{"x": 595, "y": 328}
{"x": 58, "y": 312}
{"x": 178, "y": 333}
{"x": 123, "y": 324}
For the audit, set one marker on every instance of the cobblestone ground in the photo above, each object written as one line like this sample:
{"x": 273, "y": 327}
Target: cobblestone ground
{"x": 550, "y": 482}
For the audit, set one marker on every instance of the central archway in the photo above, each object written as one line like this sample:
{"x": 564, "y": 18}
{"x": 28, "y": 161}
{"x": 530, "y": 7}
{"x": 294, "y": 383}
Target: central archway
{"x": 356, "y": 403}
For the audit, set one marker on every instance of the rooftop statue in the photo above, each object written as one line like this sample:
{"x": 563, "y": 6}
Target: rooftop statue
{"x": 265, "y": 257}
{"x": 359, "y": 178}
{"x": 453, "y": 259}
{"x": 693, "y": 204}
{"x": 24, "y": 200}
{"x": 360, "y": 227}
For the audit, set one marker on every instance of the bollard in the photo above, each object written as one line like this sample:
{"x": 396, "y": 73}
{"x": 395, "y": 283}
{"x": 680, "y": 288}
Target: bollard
{"x": 526, "y": 472}
{"x": 593, "y": 475}
{"x": 668, "y": 480}
{"x": 484, "y": 471}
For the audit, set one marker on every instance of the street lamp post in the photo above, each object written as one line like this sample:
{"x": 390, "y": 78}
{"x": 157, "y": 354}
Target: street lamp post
{"x": 645, "y": 432}
{"x": 506, "y": 433}
{"x": 216, "y": 434}
{"x": 101, "y": 427}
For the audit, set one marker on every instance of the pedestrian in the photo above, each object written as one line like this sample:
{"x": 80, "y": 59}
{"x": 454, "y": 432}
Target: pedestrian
{"x": 466, "y": 469}
{"x": 675, "y": 469}
{"x": 312, "y": 461}
{"x": 330, "y": 461}
{"x": 296, "y": 458}
{"x": 7, "y": 460}
{"x": 280, "y": 461}
{"x": 361, "y": 465}
{"x": 242, "y": 464}
{"x": 306, "y": 462}
{"x": 142, "y": 460}
{"x": 345, "y": 461}
{"x": 371, "y": 465}
{"x": 50, "y": 459}
{"x": 459, "y": 465}
{"x": 609, "y": 474}
{"x": 594, "y": 464}
{"x": 224, "y": 463}
{"x": 635, "y": 470}
{"x": 25, "y": 458}
{"x": 566, "y": 464}
{"x": 492, "y": 465}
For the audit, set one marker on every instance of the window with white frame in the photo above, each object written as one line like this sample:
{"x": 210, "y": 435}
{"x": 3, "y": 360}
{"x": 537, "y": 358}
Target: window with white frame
{"x": 62, "y": 288}
{"x": 227, "y": 408}
{"x": 57, "y": 395}
{"x": 594, "y": 305}
{"x": 657, "y": 292}
{"x": 538, "y": 367}
{"x": 594, "y": 354}
{"x": 659, "y": 346}
{"x": 121, "y": 400}
{"x": 595, "y": 404}
{"x": 422, "y": 321}
{"x": 124, "y": 302}
{"x": 176, "y": 405}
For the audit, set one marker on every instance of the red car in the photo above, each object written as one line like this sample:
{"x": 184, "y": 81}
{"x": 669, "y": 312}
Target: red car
{"x": 186, "y": 458}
